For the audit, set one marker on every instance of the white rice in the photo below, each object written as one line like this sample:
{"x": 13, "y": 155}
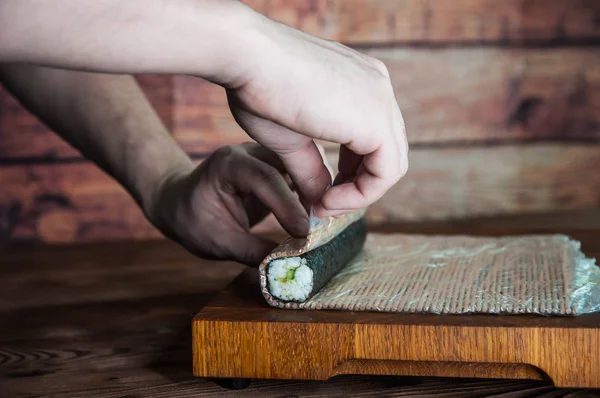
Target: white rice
{"x": 290, "y": 279}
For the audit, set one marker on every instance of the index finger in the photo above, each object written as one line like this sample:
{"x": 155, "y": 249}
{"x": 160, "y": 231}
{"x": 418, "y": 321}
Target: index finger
{"x": 378, "y": 172}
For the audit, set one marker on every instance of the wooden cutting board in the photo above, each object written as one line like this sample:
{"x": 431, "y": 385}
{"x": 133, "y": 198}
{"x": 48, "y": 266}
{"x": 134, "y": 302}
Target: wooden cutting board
{"x": 238, "y": 335}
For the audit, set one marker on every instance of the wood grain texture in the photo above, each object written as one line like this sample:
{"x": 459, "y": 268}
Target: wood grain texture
{"x": 22, "y": 135}
{"x": 26, "y": 139}
{"x": 114, "y": 320}
{"x": 439, "y": 21}
{"x": 175, "y": 381}
{"x": 77, "y": 202}
{"x": 458, "y": 183}
{"x": 65, "y": 203}
{"x": 495, "y": 95}
{"x": 480, "y": 95}
{"x": 239, "y": 335}
{"x": 160, "y": 269}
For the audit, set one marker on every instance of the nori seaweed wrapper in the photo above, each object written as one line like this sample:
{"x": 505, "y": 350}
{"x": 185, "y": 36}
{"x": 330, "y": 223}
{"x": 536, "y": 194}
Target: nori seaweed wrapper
{"x": 331, "y": 244}
{"x": 327, "y": 260}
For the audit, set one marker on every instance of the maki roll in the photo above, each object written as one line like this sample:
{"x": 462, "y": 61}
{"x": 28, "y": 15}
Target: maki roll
{"x": 299, "y": 268}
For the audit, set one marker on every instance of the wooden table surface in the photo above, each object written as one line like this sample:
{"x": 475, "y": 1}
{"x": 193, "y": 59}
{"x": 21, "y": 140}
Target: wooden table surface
{"x": 114, "y": 320}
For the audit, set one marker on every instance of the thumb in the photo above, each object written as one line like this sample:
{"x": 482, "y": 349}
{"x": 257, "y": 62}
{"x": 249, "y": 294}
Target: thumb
{"x": 300, "y": 155}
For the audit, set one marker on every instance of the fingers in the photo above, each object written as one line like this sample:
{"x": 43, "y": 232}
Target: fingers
{"x": 307, "y": 169}
{"x": 255, "y": 210}
{"x": 249, "y": 175}
{"x": 298, "y": 153}
{"x": 261, "y": 153}
{"x": 347, "y": 165}
{"x": 362, "y": 180}
{"x": 375, "y": 175}
{"x": 325, "y": 161}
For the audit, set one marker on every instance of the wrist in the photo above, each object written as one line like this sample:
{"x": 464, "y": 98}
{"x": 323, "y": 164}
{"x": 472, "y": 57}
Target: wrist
{"x": 238, "y": 36}
{"x": 156, "y": 201}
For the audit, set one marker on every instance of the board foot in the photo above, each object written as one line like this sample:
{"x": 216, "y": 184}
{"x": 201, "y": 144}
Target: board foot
{"x": 232, "y": 384}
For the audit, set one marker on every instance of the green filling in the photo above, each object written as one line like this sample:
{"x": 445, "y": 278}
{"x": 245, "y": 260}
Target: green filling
{"x": 290, "y": 274}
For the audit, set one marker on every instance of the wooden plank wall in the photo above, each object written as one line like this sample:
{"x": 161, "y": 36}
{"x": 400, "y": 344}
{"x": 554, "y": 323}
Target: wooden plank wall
{"x": 501, "y": 101}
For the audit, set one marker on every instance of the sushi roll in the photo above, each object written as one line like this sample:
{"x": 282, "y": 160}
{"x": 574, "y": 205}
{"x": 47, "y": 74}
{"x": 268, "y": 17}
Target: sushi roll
{"x": 296, "y": 278}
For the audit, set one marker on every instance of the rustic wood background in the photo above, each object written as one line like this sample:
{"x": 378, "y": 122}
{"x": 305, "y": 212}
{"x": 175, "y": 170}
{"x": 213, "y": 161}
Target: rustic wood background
{"x": 501, "y": 101}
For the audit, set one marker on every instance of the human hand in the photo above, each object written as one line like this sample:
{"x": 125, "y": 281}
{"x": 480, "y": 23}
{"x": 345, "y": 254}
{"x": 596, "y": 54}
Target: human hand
{"x": 210, "y": 209}
{"x": 295, "y": 88}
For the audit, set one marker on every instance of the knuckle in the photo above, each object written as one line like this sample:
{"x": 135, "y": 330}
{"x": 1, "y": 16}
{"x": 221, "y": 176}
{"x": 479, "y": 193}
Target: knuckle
{"x": 268, "y": 174}
{"x": 223, "y": 152}
{"x": 380, "y": 66}
{"x": 249, "y": 146}
{"x": 397, "y": 172}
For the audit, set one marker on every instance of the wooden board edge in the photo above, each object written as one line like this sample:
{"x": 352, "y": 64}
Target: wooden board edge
{"x": 344, "y": 356}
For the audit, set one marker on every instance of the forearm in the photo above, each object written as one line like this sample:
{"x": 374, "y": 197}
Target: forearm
{"x": 107, "y": 118}
{"x": 205, "y": 38}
